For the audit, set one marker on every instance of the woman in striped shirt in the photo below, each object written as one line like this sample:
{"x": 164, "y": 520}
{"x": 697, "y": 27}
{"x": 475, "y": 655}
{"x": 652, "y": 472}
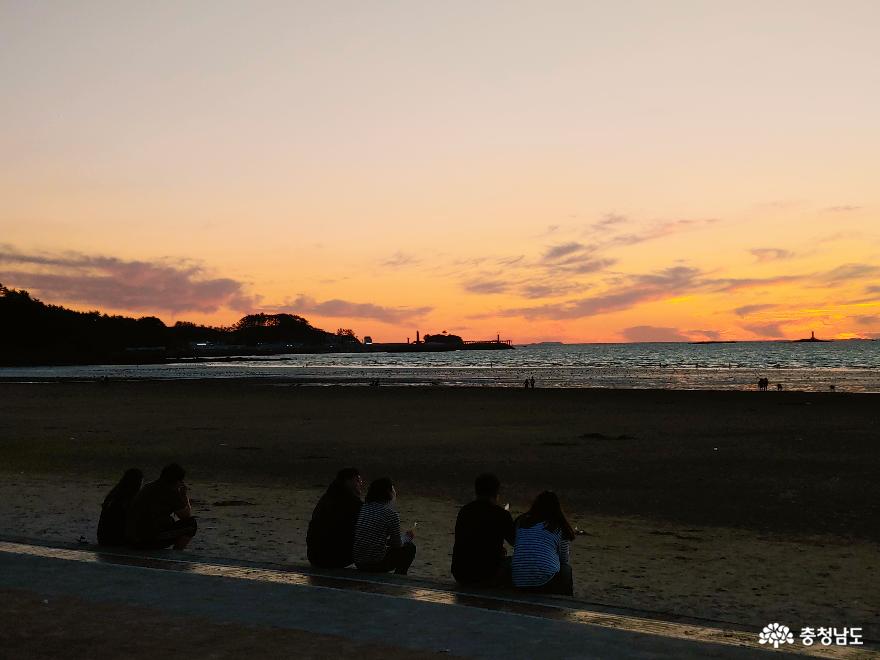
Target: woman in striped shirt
{"x": 378, "y": 544}
{"x": 541, "y": 552}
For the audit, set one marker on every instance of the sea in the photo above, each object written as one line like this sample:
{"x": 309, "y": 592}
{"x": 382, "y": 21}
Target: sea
{"x": 844, "y": 366}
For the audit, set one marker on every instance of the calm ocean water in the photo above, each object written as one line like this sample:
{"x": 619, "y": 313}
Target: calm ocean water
{"x": 852, "y": 366}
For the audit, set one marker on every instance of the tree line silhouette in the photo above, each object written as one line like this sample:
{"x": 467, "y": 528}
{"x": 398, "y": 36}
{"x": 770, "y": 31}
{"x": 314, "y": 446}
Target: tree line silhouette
{"x": 32, "y": 332}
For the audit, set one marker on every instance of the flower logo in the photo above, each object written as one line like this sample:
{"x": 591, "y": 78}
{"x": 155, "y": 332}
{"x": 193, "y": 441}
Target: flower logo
{"x": 775, "y": 634}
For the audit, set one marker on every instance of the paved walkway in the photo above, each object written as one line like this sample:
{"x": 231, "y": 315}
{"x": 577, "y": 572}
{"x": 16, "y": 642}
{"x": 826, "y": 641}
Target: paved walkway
{"x": 386, "y": 610}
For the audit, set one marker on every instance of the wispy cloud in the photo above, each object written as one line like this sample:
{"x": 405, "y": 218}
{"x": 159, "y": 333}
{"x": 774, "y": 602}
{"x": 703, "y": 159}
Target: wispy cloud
{"x": 763, "y": 255}
{"x": 164, "y": 285}
{"x": 748, "y": 310}
{"x": 556, "y": 252}
{"x": 400, "y": 260}
{"x": 336, "y": 308}
{"x": 486, "y": 286}
{"x": 843, "y": 208}
{"x": 714, "y": 335}
{"x": 660, "y": 230}
{"x": 647, "y": 333}
{"x": 637, "y": 289}
{"x": 851, "y": 271}
{"x": 607, "y": 221}
{"x": 766, "y": 330}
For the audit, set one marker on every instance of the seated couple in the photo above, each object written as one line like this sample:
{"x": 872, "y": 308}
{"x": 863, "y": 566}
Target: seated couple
{"x": 345, "y": 530}
{"x": 159, "y": 515}
{"x": 540, "y": 539}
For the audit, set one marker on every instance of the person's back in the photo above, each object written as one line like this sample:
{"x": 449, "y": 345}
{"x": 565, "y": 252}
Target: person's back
{"x": 111, "y": 524}
{"x": 330, "y": 537}
{"x": 541, "y": 555}
{"x": 478, "y": 555}
{"x": 378, "y": 525}
{"x": 149, "y": 521}
{"x": 378, "y": 545}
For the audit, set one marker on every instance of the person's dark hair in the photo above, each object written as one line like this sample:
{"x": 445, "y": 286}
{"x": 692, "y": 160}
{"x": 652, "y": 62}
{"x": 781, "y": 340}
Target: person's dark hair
{"x": 127, "y": 487}
{"x": 547, "y": 509}
{"x": 487, "y": 485}
{"x": 381, "y": 490}
{"x": 172, "y": 473}
{"x": 347, "y": 474}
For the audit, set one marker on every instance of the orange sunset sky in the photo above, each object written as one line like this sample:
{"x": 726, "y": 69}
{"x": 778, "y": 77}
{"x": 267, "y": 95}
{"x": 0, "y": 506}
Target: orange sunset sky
{"x": 571, "y": 171}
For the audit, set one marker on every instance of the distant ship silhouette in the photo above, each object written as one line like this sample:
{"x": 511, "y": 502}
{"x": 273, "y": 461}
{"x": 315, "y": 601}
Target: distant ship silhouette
{"x": 811, "y": 339}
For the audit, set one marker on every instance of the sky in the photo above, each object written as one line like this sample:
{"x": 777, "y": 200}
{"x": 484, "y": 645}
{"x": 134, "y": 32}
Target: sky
{"x": 546, "y": 171}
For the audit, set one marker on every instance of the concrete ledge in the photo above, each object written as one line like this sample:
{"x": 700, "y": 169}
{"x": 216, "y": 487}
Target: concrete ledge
{"x": 473, "y": 622}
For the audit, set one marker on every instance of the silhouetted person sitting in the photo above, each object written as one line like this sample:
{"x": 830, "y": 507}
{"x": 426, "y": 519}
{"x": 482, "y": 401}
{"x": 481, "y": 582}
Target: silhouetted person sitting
{"x": 150, "y": 522}
{"x": 378, "y": 546}
{"x": 481, "y": 528}
{"x": 111, "y": 525}
{"x": 331, "y": 530}
{"x": 541, "y": 553}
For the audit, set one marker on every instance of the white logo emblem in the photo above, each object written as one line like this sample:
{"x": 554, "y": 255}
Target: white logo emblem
{"x": 776, "y": 634}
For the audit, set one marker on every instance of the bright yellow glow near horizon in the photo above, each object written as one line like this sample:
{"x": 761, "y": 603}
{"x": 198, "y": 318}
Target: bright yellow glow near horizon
{"x": 565, "y": 172}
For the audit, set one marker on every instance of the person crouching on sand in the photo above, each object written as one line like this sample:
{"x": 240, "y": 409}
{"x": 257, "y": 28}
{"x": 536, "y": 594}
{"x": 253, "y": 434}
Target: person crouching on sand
{"x": 378, "y": 544}
{"x": 111, "y": 524}
{"x": 481, "y": 528}
{"x": 149, "y": 522}
{"x": 541, "y": 554}
{"x": 330, "y": 538}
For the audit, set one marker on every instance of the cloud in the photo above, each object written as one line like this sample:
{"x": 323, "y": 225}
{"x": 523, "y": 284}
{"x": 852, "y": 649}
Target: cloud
{"x": 738, "y": 283}
{"x": 714, "y": 335}
{"x": 843, "y": 208}
{"x": 763, "y": 255}
{"x": 851, "y": 271}
{"x": 510, "y": 261}
{"x": 486, "y": 286}
{"x": 766, "y": 330}
{"x": 556, "y": 252}
{"x": 549, "y": 289}
{"x": 607, "y": 221}
{"x": 867, "y": 320}
{"x": 399, "y": 260}
{"x": 747, "y": 310}
{"x": 648, "y": 333}
{"x": 346, "y": 309}
{"x": 661, "y": 230}
{"x": 581, "y": 265}
{"x": 167, "y": 285}
{"x": 873, "y": 288}
{"x": 635, "y": 290}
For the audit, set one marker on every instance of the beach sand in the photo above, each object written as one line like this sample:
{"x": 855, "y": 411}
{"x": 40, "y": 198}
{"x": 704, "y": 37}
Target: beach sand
{"x": 742, "y": 507}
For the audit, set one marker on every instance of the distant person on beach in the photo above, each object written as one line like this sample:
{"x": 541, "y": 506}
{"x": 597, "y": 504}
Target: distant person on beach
{"x": 111, "y": 524}
{"x": 378, "y": 544}
{"x": 330, "y": 538}
{"x": 532, "y": 382}
{"x": 542, "y": 549}
{"x": 161, "y": 514}
{"x": 763, "y": 383}
{"x": 479, "y": 556}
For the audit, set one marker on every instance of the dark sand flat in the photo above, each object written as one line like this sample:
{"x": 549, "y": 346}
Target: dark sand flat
{"x": 736, "y": 506}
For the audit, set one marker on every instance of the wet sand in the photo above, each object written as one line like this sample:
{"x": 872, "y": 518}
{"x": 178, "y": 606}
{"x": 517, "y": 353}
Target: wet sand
{"x": 741, "y": 507}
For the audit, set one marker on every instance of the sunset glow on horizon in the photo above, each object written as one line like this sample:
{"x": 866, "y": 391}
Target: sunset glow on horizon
{"x": 568, "y": 171}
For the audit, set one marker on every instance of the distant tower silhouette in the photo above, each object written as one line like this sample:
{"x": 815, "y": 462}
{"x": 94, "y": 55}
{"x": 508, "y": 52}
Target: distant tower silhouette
{"x": 812, "y": 335}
